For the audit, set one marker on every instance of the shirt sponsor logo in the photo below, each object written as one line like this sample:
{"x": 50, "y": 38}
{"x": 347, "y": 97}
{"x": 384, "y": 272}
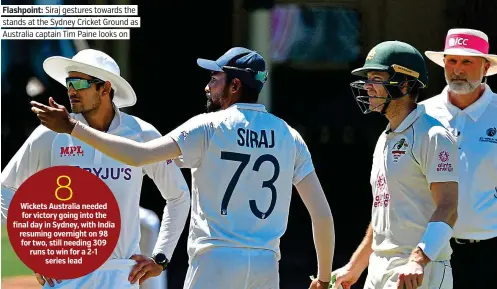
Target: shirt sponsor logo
{"x": 110, "y": 173}
{"x": 382, "y": 198}
{"x": 71, "y": 151}
{"x": 491, "y": 135}
{"x": 444, "y": 166}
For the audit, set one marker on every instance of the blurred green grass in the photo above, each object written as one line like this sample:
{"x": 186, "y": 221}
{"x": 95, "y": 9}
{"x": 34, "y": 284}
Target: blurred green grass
{"x": 11, "y": 265}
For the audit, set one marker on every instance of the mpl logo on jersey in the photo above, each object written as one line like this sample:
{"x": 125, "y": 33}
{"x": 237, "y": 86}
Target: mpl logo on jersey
{"x": 444, "y": 165}
{"x": 399, "y": 149}
{"x": 71, "y": 151}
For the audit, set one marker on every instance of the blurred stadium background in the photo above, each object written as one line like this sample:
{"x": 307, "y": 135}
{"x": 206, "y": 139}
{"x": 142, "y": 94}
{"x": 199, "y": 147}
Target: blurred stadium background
{"x": 311, "y": 47}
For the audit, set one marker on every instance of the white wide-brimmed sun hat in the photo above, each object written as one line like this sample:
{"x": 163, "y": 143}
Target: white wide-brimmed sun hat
{"x": 94, "y": 63}
{"x": 465, "y": 42}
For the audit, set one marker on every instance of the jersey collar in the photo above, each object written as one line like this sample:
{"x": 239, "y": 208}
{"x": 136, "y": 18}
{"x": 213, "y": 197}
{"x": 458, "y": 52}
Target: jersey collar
{"x": 249, "y": 106}
{"x": 475, "y": 110}
{"x": 409, "y": 120}
{"x": 116, "y": 121}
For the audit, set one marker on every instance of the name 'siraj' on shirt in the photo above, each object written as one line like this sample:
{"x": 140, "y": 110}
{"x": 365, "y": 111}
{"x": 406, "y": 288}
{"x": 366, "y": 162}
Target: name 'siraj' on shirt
{"x": 253, "y": 139}
{"x": 63, "y": 206}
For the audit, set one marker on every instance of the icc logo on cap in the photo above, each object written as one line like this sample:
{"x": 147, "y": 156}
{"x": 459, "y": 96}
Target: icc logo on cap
{"x": 458, "y": 41}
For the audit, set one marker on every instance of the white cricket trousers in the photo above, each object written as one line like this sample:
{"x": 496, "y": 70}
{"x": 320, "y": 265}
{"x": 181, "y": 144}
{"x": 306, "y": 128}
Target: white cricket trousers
{"x": 240, "y": 268}
{"x": 382, "y": 273}
{"x": 113, "y": 274}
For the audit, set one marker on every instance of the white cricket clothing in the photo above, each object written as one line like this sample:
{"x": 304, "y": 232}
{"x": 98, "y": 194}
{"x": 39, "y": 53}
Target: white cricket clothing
{"x": 150, "y": 225}
{"x": 244, "y": 161}
{"x": 45, "y": 148}
{"x": 405, "y": 162}
{"x": 383, "y": 273}
{"x": 112, "y": 274}
{"x": 475, "y": 130}
{"x": 241, "y": 268}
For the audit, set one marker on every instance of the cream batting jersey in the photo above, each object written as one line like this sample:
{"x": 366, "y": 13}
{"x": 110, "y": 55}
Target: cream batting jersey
{"x": 244, "y": 162}
{"x": 45, "y": 148}
{"x": 405, "y": 162}
{"x": 475, "y": 129}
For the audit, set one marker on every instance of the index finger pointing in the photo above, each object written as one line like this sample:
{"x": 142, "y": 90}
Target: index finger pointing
{"x": 39, "y": 105}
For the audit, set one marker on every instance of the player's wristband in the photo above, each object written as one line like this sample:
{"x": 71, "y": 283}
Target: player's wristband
{"x": 436, "y": 237}
{"x": 332, "y": 283}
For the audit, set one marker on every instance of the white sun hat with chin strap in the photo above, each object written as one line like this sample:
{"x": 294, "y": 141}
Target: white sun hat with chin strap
{"x": 94, "y": 63}
{"x": 465, "y": 42}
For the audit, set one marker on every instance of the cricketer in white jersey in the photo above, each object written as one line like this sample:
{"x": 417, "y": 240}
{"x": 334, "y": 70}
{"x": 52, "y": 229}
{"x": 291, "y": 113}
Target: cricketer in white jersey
{"x": 406, "y": 162}
{"x": 244, "y": 162}
{"x": 45, "y": 148}
{"x": 414, "y": 179}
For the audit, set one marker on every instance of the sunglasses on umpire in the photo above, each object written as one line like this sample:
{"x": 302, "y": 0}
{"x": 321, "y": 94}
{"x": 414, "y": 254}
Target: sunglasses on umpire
{"x": 80, "y": 83}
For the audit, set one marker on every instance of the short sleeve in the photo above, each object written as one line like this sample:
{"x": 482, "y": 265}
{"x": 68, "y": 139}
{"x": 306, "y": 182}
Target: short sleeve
{"x": 192, "y": 138}
{"x": 33, "y": 156}
{"x": 439, "y": 156}
{"x": 303, "y": 161}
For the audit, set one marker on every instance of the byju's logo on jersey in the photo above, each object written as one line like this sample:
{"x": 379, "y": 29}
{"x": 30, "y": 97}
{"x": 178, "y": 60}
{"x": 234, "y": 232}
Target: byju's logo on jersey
{"x": 491, "y": 135}
{"x": 110, "y": 173}
{"x": 399, "y": 149}
{"x": 71, "y": 151}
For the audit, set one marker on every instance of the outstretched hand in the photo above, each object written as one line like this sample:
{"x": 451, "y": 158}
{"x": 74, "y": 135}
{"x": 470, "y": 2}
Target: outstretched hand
{"x": 54, "y": 117}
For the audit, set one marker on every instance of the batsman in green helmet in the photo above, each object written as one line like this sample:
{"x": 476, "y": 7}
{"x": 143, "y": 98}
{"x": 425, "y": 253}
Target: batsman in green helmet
{"x": 414, "y": 179}
{"x": 393, "y": 70}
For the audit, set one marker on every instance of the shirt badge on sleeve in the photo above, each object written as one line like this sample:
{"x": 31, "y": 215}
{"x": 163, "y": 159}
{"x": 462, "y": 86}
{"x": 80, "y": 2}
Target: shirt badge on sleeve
{"x": 184, "y": 134}
{"x": 444, "y": 165}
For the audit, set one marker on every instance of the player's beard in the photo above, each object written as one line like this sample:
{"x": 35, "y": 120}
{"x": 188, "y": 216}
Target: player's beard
{"x": 215, "y": 101}
{"x": 211, "y": 106}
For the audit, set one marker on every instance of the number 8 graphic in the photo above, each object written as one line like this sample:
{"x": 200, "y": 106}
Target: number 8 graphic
{"x": 63, "y": 187}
